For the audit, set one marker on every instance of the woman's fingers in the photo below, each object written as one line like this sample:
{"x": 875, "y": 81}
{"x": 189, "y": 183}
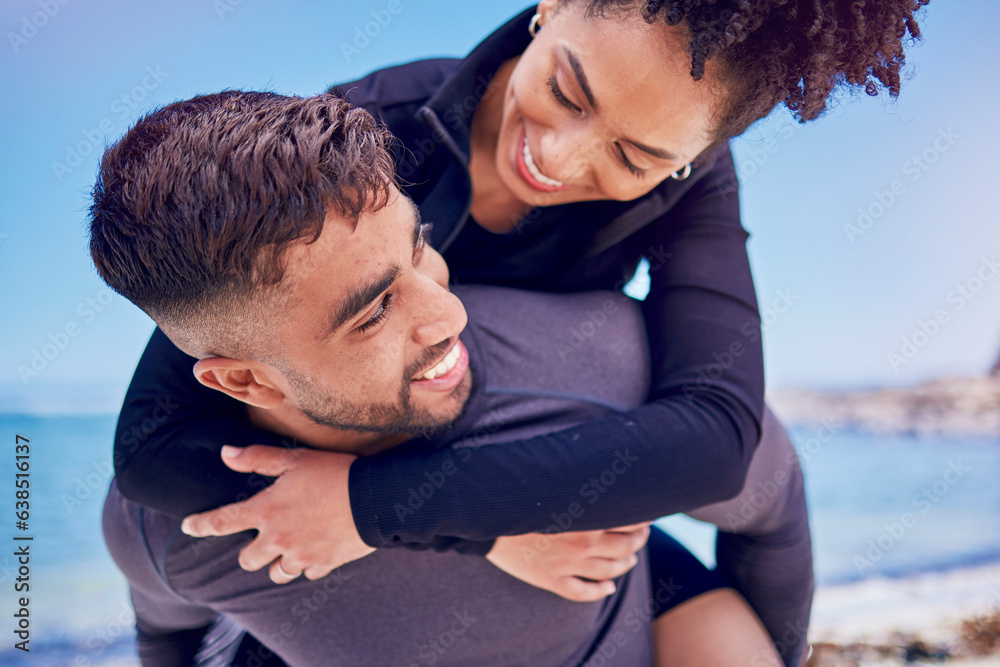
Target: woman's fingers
{"x": 614, "y": 544}
{"x": 282, "y": 572}
{"x": 262, "y": 459}
{"x": 602, "y": 569}
{"x": 258, "y": 554}
{"x": 631, "y": 528}
{"x": 578, "y": 590}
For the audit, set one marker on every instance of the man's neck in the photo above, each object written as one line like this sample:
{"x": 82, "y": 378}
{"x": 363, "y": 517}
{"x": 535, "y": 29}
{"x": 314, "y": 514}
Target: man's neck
{"x": 293, "y": 424}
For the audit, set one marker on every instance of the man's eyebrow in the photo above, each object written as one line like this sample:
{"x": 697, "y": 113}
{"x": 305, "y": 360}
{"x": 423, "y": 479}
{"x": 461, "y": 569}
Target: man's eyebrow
{"x": 581, "y": 78}
{"x": 359, "y": 298}
{"x": 362, "y": 296}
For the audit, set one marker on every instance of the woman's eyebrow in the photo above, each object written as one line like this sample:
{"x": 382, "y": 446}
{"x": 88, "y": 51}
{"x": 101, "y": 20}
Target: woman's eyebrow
{"x": 655, "y": 152}
{"x": 581, "y": 78}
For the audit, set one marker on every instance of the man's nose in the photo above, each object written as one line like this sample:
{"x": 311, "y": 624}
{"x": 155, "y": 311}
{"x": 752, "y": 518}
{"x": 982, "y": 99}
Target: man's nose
{"x": 440, "y": 316}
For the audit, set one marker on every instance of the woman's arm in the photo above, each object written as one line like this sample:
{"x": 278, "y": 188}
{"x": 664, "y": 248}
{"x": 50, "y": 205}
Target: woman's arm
{"x": 170, "y": 432}
{"x": 690, "y": 446}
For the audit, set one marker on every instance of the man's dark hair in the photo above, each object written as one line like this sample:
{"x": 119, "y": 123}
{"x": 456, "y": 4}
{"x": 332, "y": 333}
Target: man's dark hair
{"x": 794, "y": 52}
{"x": 195, "y": 205}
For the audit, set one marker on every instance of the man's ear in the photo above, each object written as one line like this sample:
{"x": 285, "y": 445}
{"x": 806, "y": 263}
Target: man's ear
{"x": 245, "y": 381}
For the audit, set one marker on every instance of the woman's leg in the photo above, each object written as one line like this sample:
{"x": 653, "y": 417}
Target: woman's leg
{"x": 764, "y": 548}
{"x": 717, "y": 628}
{"x": 699, "y": 618}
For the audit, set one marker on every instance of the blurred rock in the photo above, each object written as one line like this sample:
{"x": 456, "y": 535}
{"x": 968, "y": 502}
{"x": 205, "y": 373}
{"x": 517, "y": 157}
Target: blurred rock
{"x": 981, "y": 635}
{"x": 949, "y": 406}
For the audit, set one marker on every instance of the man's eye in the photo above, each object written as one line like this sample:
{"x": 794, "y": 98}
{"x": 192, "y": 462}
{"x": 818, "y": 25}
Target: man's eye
{"x": 560, "y": 97}
{"x": 380, "y": 314}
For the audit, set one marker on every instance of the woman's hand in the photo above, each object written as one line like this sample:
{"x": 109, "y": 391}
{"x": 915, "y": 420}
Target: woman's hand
{"x": 578, "y": 566}
{"x": 304, "y": 519}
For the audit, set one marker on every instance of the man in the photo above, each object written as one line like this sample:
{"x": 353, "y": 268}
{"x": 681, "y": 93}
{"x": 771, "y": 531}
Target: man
{"x": 265, "y": 237}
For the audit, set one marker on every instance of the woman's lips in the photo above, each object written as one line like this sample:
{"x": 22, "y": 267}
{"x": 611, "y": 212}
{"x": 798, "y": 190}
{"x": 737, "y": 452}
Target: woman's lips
{"x": 530, "y": 172}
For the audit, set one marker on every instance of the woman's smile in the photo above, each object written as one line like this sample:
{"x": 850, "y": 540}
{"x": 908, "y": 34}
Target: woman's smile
{"x": 530, "y": 172}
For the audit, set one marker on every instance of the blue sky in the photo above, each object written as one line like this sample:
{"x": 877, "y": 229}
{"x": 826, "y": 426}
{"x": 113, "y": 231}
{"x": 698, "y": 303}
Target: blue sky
{"x": 840, "y": 297}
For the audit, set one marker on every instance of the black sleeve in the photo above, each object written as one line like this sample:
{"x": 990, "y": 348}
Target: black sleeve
{"x": 170, "y": 433}
{"x": 690, "y": 446}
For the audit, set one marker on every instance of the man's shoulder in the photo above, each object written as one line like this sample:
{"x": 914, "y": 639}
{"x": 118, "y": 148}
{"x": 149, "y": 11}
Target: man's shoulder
{"x": 558, "y": 358}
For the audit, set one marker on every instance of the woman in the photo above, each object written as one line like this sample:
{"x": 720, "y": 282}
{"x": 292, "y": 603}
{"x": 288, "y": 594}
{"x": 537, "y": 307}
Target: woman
{"x": 572, "y": 142}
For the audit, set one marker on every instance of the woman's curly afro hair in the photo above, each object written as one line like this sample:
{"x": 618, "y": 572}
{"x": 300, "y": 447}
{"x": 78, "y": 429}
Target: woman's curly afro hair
{"x": 791, "y": 51}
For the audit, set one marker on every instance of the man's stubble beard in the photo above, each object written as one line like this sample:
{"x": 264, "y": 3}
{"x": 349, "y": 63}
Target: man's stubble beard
{"x": 385, "y": 419}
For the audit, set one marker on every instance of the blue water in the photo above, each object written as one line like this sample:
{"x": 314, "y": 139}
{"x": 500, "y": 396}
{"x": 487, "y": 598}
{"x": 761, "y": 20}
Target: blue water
{"x": 862, "y": 489}
{"x": 857, "y": 484}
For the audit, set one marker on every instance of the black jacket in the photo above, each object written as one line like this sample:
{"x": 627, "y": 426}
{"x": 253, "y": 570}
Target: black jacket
{"x": 695, "y": 437}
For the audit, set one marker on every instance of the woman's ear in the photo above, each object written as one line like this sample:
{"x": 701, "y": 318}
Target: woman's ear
{"x": 245, "y": 381}
{"x": 545, "y": 9}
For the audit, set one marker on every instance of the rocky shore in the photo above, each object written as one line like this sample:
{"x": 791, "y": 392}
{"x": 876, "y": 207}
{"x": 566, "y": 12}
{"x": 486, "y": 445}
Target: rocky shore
{"x": 961, "y": 407}
{"x": 932, "y": 618}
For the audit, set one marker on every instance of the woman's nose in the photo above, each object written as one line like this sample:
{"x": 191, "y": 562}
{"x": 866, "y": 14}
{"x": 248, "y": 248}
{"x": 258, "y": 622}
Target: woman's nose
{"x": 565, "y": 153}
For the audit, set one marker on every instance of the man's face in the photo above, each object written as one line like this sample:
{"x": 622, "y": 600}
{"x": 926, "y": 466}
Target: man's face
{"x": 369, "y": 335}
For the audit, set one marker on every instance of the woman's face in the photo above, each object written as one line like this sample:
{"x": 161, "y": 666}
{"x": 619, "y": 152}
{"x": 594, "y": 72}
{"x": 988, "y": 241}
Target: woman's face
{"x": 600, "y": 109}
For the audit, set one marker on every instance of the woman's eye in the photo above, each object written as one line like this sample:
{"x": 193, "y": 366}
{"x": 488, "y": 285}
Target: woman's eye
{"x": 562, "y": 99}
{"x": 636, "y": 171}
{"x": 380, "y": 314}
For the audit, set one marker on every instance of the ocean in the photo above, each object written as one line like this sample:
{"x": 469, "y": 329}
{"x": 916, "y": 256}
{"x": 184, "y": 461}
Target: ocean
{"x": 881, "y": 507}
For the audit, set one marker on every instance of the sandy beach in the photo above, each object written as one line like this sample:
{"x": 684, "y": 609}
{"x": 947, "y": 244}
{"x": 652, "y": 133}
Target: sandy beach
{"x": 931, "y": 618}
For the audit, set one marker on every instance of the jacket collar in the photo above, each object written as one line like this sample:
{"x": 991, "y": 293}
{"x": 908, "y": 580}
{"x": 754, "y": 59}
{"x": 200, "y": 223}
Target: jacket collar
{"x": 449, "y": 111}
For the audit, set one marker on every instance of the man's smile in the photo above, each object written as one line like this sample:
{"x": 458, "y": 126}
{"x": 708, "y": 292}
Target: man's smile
{"x": 447, "y": 373}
